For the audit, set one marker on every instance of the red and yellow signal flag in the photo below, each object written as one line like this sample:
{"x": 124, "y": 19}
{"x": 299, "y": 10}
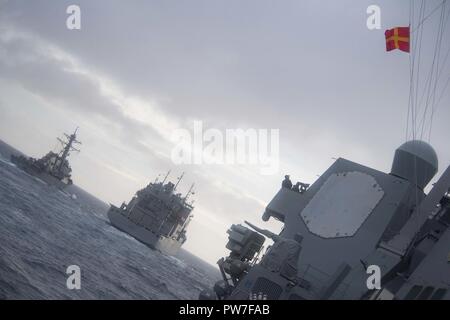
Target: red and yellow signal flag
{"x": 397, "y": 38}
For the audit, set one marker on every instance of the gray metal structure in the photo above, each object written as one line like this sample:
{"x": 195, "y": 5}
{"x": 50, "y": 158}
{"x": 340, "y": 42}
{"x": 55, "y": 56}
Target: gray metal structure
{"x": 157, "y": 216}
{"x": 354, "y": 217}
{"x": 53, "y": 168}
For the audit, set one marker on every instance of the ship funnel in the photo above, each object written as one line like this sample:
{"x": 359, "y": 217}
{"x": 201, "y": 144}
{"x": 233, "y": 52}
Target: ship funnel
{"x": 415, "y": 161}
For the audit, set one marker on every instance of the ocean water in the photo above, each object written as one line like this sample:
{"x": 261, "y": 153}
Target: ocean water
{"x": 44, "y": 230}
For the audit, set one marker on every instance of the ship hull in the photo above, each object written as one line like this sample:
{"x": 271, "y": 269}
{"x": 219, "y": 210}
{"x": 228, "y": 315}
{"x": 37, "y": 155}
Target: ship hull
{"x": 163, "y": 244}
{"x": 36, "y": 172}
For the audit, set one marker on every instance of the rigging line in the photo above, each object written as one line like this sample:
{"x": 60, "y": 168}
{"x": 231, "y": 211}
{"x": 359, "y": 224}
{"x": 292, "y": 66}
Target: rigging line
{"x": 427, "y": 85}
{"x": 419, "y": 44}
{"x": 411, "y": 69}
{"x": 448, "y": 14}
{"x": 443, "y": 91}
{"x": 432, "y": 74}
{"x": 433, "y": 110}
{"x": 412, "y": 91}
{"x": 435, "y": 107}
{"x": 429, "y": 15}
{"x": 413, "y": 58}
{"x": 420, "y": 65}
{"x": 433, "y": 98}
{"x": 414, "y": 109}
{"x": 441, "y": 71}
{"x": 447, "y": 19}
{"x": 409, "y": 101}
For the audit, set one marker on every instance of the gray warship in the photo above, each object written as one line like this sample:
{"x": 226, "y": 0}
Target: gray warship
{"x": 157, "y": 216}
{"x": 53, "y": 168}
{"x": 352, "y": 221}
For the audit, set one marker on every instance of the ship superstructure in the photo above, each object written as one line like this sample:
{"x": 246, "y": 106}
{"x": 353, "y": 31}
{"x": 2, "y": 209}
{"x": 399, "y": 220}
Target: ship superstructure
{"x": 157, "y": 215}
{"x": 355, "y": 233}
{"x": 54, "y": 167}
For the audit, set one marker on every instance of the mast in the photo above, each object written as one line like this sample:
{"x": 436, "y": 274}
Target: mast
{"x": 189, "y": 192}
{"x": 186, "y": 223}
{"x": 179, "y": 180}
{"x": 68, "y": 147}
{"x": 165, "y": 178}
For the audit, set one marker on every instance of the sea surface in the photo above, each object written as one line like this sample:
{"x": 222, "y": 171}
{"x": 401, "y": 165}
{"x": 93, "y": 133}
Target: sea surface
{"x": 44, "y": 230}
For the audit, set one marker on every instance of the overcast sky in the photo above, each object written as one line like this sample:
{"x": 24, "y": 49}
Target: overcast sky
{"x": 137, "y": 70}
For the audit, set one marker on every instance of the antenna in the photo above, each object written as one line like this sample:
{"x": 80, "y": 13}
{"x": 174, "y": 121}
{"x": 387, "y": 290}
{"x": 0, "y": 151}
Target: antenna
{"x": 68, "y": 147}
{"x": 179, "y": 179}
{"x": 165, "y": 178}
{"x": 191, "y": 191}
{"x": 71, "y": 140}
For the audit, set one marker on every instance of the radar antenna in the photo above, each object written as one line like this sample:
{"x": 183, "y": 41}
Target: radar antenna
{"x": 68, "y": 147}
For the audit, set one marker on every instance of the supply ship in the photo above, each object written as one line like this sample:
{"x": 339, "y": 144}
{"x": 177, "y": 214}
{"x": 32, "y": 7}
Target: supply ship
{"x": 157, "y": 216}
{"x": 53, "y": 168}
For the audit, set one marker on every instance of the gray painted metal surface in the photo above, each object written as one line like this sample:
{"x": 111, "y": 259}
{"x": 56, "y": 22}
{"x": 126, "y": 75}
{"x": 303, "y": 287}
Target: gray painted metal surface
{"x": 342, "y": 204}
{"x": 355, "y": 217}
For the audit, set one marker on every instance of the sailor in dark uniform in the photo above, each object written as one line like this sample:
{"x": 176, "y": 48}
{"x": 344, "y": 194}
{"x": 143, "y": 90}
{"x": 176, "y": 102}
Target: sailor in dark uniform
{"x": 287, "y": 183}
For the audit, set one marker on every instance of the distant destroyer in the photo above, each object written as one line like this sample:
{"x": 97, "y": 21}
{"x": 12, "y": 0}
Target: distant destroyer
{"x": 351, "y": 220}
{"x": 157, "y": 216}
{"x": 53, "y": 168}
